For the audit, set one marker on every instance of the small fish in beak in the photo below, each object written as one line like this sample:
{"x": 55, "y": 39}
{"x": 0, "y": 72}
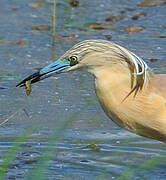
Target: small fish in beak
{"x": 50, "y": 70}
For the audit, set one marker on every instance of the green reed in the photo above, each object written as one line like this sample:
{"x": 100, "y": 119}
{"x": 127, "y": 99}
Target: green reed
{"x": 11, "y": 154}
{"x": 53, "y": 15}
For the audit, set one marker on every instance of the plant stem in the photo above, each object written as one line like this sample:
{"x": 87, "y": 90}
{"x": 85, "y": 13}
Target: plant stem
{"x": 53, "y": 12}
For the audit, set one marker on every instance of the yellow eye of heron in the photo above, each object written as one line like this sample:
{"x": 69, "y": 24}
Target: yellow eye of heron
{"x": 73, "y": 60}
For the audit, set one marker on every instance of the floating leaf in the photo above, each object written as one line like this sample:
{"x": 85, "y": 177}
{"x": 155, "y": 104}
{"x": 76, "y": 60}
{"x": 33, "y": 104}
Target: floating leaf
{"x": 74, "y": 3}
{"x": 153, "y": 60}
{"x": 38, "y": 4}
{"x": 133, "y": 29}
{"x": 150, "y": 3}
{"x": 41, "y": 28}
{"x": 66, "y": 38}
{"x": 109, "y": 37}
{"x": 92, "y": 25}
{"x": 122, "y": 11}
{"x": 137, "y": 16}
{"x": 21, "y": 43}
{"x": 115, "y": 18}
{"x": 97, "y": 26}
{"x": 94, "y": 147}
{"x": 130, "y": 9}
{"x": 15, "y": 8}
{"x": 160, "y": 36}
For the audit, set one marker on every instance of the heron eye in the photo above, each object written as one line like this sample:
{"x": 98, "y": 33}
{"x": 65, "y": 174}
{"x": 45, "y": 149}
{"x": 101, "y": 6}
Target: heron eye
{"x": 73, "y": 60}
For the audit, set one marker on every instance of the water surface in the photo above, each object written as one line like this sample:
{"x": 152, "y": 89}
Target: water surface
{"x": 65, "y": 116}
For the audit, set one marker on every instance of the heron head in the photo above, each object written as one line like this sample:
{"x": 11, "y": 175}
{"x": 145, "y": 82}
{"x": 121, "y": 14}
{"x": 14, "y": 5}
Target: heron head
{"x": 88, "y": 55}
{"x": 77, "y": 58}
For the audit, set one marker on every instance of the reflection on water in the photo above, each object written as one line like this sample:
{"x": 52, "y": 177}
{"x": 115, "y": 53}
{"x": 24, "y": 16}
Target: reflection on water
{"x": 65, "y": 116}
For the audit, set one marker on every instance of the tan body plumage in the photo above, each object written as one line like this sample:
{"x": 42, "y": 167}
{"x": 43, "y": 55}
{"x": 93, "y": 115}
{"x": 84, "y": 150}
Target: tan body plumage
{"x": 144, "y": 114}
{"x": 130, "y": 94}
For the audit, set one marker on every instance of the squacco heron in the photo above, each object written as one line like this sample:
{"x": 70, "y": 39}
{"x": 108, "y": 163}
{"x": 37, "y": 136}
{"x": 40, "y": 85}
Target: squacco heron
{"x": 129, "y": 92}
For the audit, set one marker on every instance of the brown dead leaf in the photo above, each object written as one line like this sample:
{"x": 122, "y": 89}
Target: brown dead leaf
{"x": 21, "y": 43}
{"x": 115, "y": 18}
{"x": 15, "y": 8}
{"x": 153, "y": 60}
{"x": 130, "y": 9}
{"x": 74, "y": 3}
{"x": 37, "y": 4}
{"x": 94, "y": 147}
{"x": 66, "y": 38}
{"x": 150, "y": 3}
{"x": 122, "y": 11}
{"x": 137, "y": 16}
{"x": 133, "y": 29}
{"x": 160, "y": 36}
{"x": 96, "y": 26}
{"x": 164, "y": 26}
{"x": 109, "y": 37}
{"x": 41, "y": 28}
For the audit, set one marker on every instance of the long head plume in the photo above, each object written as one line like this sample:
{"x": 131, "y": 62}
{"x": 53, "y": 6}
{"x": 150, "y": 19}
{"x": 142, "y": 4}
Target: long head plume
{"x": 139, "y": 71}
